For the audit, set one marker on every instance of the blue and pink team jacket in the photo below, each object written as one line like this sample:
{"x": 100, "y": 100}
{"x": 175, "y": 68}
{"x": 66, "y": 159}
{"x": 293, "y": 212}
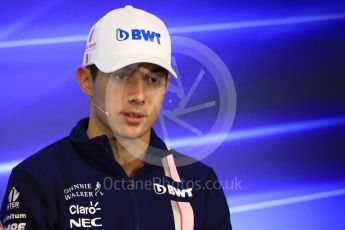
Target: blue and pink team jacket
{"x": 76, "y": 183}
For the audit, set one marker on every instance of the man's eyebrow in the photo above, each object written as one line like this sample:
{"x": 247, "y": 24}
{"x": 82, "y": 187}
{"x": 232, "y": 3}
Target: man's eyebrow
{"x": 158, "y": 69}
{"x": 125, "y": 69}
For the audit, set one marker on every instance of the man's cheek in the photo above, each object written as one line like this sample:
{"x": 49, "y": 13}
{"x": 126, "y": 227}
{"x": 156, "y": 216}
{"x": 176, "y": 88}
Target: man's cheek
{"x": 154, "y": 110}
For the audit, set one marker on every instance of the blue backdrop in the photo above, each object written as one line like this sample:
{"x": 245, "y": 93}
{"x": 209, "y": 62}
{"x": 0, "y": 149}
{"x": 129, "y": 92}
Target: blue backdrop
{"x": 282, "y": 164}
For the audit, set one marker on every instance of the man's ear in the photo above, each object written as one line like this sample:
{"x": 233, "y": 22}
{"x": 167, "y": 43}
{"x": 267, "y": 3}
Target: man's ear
{"x": 85, "y": 81}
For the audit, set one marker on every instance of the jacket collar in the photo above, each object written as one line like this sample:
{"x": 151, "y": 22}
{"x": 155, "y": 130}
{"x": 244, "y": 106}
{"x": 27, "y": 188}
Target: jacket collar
{"x": 98, "y": 153}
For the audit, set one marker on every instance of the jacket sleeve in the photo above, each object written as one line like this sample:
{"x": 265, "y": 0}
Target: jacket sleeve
{"x": 25, "y": 205}
{"x": 217, "y": 210}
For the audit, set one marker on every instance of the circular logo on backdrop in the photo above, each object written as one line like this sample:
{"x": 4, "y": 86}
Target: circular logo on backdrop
{"x": 199, "y": 106}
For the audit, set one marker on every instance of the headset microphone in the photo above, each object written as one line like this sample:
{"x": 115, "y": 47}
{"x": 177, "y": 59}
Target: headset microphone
{"x": 91, "y": 102}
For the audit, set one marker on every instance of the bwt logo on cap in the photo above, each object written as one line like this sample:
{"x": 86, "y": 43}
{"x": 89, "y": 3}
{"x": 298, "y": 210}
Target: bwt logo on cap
{"x": 137, "y": 34}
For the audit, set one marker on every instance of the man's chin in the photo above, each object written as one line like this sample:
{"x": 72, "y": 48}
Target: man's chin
{"x": 133, "y": 132}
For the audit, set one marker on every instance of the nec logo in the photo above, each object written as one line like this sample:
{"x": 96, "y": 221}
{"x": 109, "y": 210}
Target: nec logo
{"x": 137, "y": 34}
{"x": 85, "y": 223}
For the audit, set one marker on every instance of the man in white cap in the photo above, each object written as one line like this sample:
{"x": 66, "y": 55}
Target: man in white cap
{"x": 113, "y": 171}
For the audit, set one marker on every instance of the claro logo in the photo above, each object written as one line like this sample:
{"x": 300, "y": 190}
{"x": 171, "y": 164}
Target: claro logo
{"x": 138, "y": 34}
{"x": 161, "y": 189}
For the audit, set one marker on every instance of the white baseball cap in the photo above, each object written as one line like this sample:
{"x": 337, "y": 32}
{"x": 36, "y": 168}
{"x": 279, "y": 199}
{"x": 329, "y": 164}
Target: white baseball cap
{"x": 126, "y": 36}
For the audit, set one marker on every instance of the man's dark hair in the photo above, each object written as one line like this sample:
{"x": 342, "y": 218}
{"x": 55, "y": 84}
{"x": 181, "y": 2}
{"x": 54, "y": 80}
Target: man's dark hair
{"x": 94, "y": 70}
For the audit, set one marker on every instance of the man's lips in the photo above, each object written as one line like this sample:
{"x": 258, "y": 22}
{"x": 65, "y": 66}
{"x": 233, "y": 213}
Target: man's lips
{"x": 133, "y": 118}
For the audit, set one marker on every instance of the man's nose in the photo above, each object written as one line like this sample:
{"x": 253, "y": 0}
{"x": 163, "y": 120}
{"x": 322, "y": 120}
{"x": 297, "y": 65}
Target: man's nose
{"x": 136, "y": 92}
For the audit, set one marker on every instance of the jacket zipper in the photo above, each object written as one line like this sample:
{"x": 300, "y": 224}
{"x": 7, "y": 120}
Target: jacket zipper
{"x": 132, "y": 191}
{"x": 137, "y": 214}
{"x": 134, "y": 199}
{"x": 131, "y": 180}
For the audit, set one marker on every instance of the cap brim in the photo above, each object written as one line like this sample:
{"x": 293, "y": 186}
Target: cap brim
{"x": 111, "y": 66}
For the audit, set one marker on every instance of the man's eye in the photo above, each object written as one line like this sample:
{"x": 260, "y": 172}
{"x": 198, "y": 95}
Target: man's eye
{"x": 121, "y": 76}
{"x": 154, "y": 79}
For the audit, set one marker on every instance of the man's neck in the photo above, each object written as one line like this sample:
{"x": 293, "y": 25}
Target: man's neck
{"x": 129, "y": 153}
